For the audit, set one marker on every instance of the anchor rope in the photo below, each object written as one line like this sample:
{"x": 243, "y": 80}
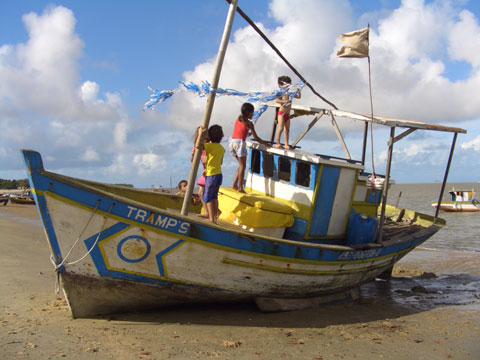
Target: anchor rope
{"x": 63, "y": 263}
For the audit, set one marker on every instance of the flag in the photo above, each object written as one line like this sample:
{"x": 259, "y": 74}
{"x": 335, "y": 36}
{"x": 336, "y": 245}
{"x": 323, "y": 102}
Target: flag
{"x": 356, "y": 44}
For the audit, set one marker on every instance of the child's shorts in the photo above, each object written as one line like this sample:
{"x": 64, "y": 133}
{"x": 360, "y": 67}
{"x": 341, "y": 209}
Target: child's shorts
{"x": 237, "y": 147}
{"x": 212, "y": 185}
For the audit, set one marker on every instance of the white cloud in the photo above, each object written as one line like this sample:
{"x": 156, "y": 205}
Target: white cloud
{"x": 148, "y": 164}
{"x": 40, "y": 94}
{"x": 90, "y": 155}
{"x": 472, "y": 144}
{"x": 464, "y": 39}
{"x": 77, "y": 124}
{"x": 89, "y": 91}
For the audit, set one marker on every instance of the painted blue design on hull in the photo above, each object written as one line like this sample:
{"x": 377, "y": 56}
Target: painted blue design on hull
{"x": 210, "y": 235}
{"x": 96, "y": 254}
{"x": 160, "y": 255}
{"x": 122, "y": 242}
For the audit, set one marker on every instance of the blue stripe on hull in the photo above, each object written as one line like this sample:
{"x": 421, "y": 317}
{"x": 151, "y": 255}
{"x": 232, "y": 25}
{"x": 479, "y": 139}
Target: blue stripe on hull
{"x": 324, "y": 201}
{"x": 202, "y": 232}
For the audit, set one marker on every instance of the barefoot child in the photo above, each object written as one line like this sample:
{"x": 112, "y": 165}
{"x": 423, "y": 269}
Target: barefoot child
{"x": 237, "y": 145}
{"x": 283, "y": 115}
{"x": 213, "y": 169}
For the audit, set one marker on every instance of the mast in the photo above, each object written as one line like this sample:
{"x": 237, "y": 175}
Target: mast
{"x": 210, "y": 101}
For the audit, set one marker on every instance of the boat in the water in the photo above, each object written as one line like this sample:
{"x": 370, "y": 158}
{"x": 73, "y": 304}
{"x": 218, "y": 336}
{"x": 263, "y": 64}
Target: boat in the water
{"x": 310, "y": 229}
{"x": 461, "y": 201}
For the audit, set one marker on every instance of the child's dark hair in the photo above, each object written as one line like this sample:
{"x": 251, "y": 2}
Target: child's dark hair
{"x": 215, "y": 133}
{"x": 195, "y": 135}
{"x": 181, "y": 182}
{"x": 246, "y": 109}
{"x": 283, "y": 80}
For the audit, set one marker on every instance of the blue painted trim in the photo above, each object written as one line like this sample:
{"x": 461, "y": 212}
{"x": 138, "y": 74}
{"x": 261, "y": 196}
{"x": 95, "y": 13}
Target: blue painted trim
{"x": 143, "y": 257}
{"x": 201, "y": 232}
{"x": 323, "y": 202}
{"x": 33, "y": 163}
{"x": 160, "y": 255}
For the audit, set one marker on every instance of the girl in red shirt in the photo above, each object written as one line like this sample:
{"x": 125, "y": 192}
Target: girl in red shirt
{"x": 237, "y": 144}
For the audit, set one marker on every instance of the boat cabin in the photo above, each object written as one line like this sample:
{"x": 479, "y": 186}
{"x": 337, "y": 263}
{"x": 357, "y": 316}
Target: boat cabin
{"x": 462, "y": 195}
{"x": 323, "y": 192}
{"x": 328, "y": 199}
{"x": 297, "y": 195}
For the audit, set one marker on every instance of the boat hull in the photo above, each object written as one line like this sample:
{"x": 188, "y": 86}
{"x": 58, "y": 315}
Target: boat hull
{"x": 18, "y": 200}
{"x": 4, "y": 199}
{"x": 458, "y": 206}
{"x": 116, "y": 254}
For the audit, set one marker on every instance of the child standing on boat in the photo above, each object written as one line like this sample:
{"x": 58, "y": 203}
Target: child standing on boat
{"x": 213, "y": 169}
{"x": 237, "y": 144}
{"x": 283, "y": 115}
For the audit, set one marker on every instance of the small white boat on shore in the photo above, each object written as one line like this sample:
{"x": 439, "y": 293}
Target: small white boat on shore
{"x": 461, "y": 201}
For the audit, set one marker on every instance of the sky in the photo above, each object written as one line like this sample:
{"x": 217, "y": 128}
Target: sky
{"x": 74, "y": 76}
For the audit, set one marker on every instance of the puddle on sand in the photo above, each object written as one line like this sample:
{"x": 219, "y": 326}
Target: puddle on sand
{"x": 426, "y": 291}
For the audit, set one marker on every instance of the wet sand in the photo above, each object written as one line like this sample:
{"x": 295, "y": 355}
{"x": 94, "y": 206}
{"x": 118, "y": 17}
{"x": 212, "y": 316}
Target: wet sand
{"x": 407, "y": 317}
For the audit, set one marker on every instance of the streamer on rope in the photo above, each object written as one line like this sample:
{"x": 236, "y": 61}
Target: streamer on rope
{"x": 205, "y": 88}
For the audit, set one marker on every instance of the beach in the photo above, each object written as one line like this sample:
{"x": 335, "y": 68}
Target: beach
{"x": 430, "y": 309}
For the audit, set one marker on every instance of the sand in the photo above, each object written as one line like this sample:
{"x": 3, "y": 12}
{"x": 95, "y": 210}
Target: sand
{"x": 36, "y": 324}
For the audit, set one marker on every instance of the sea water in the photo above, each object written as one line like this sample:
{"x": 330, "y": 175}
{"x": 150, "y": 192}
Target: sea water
{"x": 446, "y": 268}
{"x": 462, "y": 231}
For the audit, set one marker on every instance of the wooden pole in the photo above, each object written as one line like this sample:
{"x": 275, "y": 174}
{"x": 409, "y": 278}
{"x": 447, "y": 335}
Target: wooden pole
{"x": 365, "y": 129}
{"x": 365, "y": 132}
{"x": 210, "y": 101}
{"x": 445, "y": 178}
{"x": 385, "y": 184}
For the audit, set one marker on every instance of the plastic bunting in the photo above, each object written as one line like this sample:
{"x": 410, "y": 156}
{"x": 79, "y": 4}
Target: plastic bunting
{"x": 158, "y": 97}
{"x": 204, "y": 89}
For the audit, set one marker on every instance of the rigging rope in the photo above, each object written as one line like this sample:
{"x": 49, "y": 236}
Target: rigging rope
{"x": 58, "y": 266}
{"x": 274, "y": 48}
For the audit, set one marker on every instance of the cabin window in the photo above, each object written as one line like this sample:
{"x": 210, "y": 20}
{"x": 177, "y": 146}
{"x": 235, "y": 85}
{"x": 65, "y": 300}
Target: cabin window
{"x": 302, "y": 174}
{"x": 255, "y": 162}
{"x": 267, "y": 165}
{"x": 284, "y": 168}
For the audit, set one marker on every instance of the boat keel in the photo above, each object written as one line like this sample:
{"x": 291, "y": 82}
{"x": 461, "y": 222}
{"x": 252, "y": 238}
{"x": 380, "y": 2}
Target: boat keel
{"x": 277, "y": 304}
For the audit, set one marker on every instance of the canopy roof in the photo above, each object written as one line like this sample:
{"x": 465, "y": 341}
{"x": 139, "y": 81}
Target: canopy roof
{"x": 381, "y": 120}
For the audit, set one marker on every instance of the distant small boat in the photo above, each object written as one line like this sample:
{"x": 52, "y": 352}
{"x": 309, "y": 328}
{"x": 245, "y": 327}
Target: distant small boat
{"x": 462, "y": 201}
{"x": 4, "y": 199}
{"x": 24, "y": 198}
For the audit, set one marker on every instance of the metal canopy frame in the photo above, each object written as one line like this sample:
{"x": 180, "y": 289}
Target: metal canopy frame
{"x": 410, "y": 126}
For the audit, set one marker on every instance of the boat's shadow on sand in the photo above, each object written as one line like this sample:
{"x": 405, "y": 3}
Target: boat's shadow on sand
{"x": 379, "y": 300}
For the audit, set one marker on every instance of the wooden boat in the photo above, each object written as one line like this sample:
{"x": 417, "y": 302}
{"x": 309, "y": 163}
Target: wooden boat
{"x": 24, "y": 198}
{"x": 461, "y": 201}
{"x": 310, "y": 229}
{"x": 122, "y": 249}
{"x": 4, "y": 199}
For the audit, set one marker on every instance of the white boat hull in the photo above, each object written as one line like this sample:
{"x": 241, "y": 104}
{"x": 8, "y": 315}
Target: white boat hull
{"x": 458, "y": 206}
